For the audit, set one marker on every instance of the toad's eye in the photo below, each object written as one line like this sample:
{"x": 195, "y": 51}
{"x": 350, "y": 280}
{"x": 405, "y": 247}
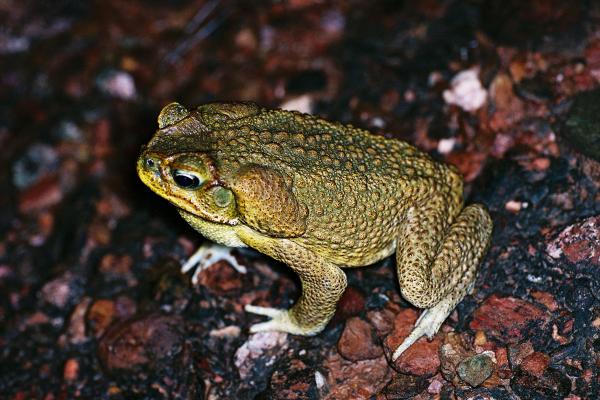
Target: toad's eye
{"x": 186, "y": 180}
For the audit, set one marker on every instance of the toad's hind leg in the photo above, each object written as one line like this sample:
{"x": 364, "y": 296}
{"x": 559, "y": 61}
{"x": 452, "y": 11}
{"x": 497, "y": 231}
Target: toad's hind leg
{"x": 437, "y": 263}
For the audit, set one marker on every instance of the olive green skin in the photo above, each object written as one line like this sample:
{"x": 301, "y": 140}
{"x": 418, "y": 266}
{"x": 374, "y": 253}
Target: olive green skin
{"x": 318, "y": 195}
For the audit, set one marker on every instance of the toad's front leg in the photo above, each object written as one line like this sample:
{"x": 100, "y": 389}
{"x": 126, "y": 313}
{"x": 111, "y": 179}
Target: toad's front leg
{"x": 323, "y": 283}
{"x": 437, "y": 262}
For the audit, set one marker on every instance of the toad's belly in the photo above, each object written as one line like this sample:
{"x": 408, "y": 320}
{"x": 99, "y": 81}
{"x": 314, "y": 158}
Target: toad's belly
{"x": 358, "y": 256}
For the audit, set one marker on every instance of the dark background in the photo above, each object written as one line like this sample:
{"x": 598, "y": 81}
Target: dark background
{"x": 91, "y": 301}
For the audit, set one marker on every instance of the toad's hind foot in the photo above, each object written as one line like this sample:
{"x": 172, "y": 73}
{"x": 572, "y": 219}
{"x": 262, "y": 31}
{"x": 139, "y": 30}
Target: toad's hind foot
{"x": 428, "y": 324}
{"x": 280, "y": 321}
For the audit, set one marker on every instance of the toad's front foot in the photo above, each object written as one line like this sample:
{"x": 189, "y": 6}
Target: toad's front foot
{"x": 206, "y": 255}
{"x": 281, "y": 320}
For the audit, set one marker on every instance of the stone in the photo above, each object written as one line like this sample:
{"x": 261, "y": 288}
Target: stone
{"x": 351, "y": 304}
{"x": 357, "y": 341}
{"x": 535, "y": 364}
{"x": 509, "y": 108}
{"x": 152, "y": 340}
{"x": 578, "y": 242}
{"x": 454, "y": 349}
{"x": 420, "y": 359}
{"x": 516, "y": 354}
{"x": 38, "y": 161}
{"x": 502, "y": 364}
{"x": 507, "y": 318}
{"x": 45, "y": 193}
{"x": 476, "y": 369}
{"x": 546, "y": 299}
{"x": 404, "y": 387}
{"x": 355, "y": 379}
{"x": 71, "y": 370}
{"x": 100, "y": 315}
{"x": 220, "y": 278}
{"x": 292, "y": 380}
{"x": 76, "y": 331}
{"x": 62, "y": 291}
{"x": 382, "y": 321}
{"x": 261, "y": 345}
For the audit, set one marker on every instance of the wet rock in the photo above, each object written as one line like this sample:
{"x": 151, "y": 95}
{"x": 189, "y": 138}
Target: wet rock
{"x": 582, "y": 125}
{"x": 382, "y": 321}
{"x": 71, "y": 370}
{"x": 153, "y": 340}
{"x": 125, "y": 307}
{"x": 466, "y": 91}
{"x": 420, "y": 359}
{"x": 38, "y": 161}
{"x": 546, "y": 299}
{"x": 76, "y": 331}
{"x": 220, "y": 278}
{"x": 436, "y": 385}
{"x": 45, "y": 193}
{"x": 506, "y": 318}
{"x": 352, "y": 303}
{"x": 62, "y": 291}
{"x": 480, "y": 339}
{"x": 578, "y": 242}
{"x": 476, "y": 369}
{"x": 116, "y": 265}
{"x": 502, "y": 364}
{"x": 227, "y": 332}
{"x": 453, "y": 351}
{"x": 535, "y": 364}
{"x": 355, "y": 379}
{"x": 509, "y": 109}
{"x": 404, "y": 387}
{"x": 516, "y": 354}
{"x": 263, "y": 345}
{"x": 100, "y": 315}
{"x": 292, "y": 380}
{"x": 117, "y": 84}
{"x": 357, "y": 341}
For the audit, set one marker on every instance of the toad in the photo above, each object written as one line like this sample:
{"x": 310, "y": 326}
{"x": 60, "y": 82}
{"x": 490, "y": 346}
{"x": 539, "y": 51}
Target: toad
{"x": 319, "y": 196}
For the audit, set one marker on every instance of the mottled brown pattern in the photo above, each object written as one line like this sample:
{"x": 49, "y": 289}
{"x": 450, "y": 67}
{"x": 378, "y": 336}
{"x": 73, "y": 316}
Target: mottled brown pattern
{"x": 318, "y": 196}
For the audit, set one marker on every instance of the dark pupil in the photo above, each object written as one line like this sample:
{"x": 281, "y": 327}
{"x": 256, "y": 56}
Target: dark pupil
{"x": 186, "y": 181}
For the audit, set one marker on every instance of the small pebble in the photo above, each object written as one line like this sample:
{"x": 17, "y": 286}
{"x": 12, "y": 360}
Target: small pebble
{"x": 71, "y": 370}
{"x": 475, "y": 370}
{"x": 117, "y": 84}
{"x": 466, "y": 91}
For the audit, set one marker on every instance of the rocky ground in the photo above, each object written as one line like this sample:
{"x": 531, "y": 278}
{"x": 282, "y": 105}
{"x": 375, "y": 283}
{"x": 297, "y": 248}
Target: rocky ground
{"x": 92, "y": 304}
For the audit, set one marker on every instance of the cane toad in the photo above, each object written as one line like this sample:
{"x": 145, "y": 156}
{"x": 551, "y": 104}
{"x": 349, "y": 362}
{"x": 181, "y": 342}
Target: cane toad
{"x": 319, "y": 196}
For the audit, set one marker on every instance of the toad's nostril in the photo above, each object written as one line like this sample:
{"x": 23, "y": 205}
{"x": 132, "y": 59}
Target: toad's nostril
{"x": 150, "y": 162}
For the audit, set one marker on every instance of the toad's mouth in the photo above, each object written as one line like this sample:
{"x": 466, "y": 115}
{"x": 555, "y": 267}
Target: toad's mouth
{"x": 187, "y": 215}
{"x": 150, "y": 175}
